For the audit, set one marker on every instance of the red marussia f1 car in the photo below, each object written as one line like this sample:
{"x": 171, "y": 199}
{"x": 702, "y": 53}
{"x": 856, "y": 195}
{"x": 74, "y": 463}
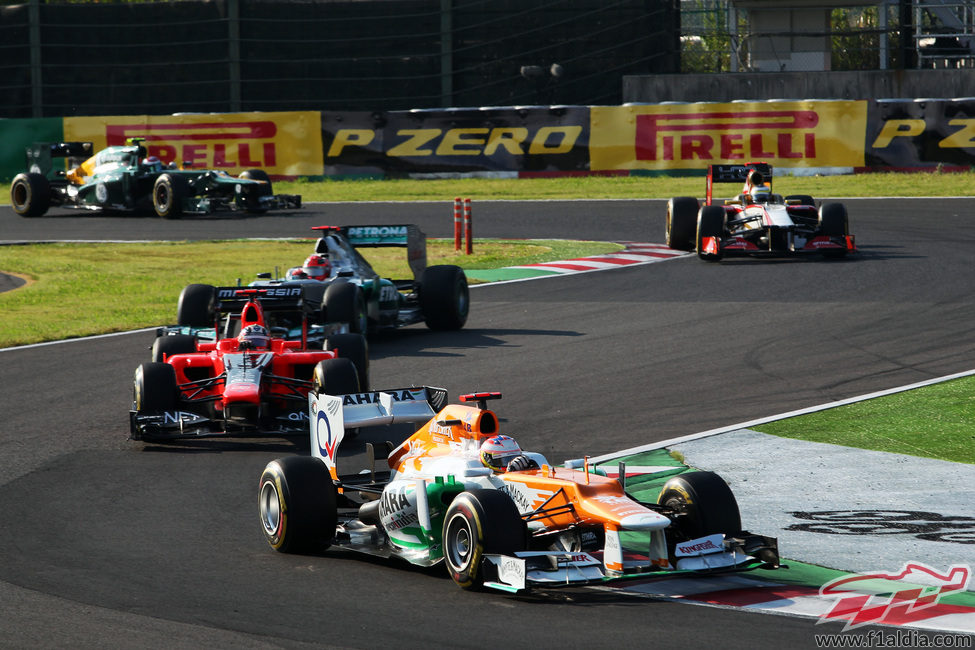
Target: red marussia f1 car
{"x": 251, "y": 384}
{"x": 757, "y": 222}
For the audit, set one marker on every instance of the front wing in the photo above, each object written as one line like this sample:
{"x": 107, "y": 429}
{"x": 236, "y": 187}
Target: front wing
{"x": 526, "y": 570}
{"x": 735, "y": 245}
{"x": 171, "y": 425}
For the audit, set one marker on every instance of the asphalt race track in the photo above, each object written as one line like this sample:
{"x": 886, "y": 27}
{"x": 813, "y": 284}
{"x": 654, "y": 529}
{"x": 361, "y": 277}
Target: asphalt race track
{"x": 108, "y": 542}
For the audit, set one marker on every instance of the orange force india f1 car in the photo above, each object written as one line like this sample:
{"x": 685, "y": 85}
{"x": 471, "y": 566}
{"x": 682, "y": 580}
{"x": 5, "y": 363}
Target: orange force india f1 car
{"x": 756, "y": 222}
{"x": 533, "y": 526}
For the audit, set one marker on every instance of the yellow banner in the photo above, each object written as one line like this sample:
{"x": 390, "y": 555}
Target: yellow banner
{"x": 284, "y": 144}
{"x": 692, "y": 136}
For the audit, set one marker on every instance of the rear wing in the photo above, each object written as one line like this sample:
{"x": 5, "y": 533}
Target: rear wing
{"x": 40, "y": 155}
{"x": 736, "y": 174}
{"x": 284, "y": 298}
{"x": 408, "y": 236}
{"x": 330, "y": 415}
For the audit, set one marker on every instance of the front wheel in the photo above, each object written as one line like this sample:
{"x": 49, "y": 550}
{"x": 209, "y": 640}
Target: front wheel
{"x": 834, "y": 222}
{"x": 298, "y": 505}
{"x": 479, "y": 522}
{"x": 168, "y": 193}
{"x": 253, "y": 193}
{"x": 703, "y": 504}
{"x": 335, "y": 376}
{"x": 710, "y": 231}
{"x": 681, "y": 222}
{"x": 444, "y": 297}
{"x": 344, "y": 303}
{"x": 155, "y": 389}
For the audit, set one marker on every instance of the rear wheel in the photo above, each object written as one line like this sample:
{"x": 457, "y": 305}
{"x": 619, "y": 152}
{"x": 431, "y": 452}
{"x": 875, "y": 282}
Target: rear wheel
{"x": 298, "y": 505}
{"x": 444, "y": 297}
{"x": 30, "y": 194}
{"x": 168, "y": 193}
{"x": 354, "y": 348}
{"x": 155, "y": 388}
{"x": 710, "y": 223}
{"x": 479, "y": 522}
{"x": 197, "y": 306}
{"x": 166, "y": 346}
{"x": 681, "y": 222}
{"x": 703, "y": 504}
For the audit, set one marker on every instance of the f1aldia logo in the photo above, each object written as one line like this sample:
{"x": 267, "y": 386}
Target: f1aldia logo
{"x": 909, "y": 595}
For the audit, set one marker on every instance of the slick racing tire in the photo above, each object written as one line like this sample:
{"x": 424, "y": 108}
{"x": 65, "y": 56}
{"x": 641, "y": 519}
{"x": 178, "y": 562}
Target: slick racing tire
{"x": 833, "y": 222}
{"x": 703, "y": 503}
{"x": 297, "y": 502}
{"x": 354, "y": 348}
{"x": 259, "y": 175}
{"x": 155, "y": 388}
{"x": 681, "y": 222}
{"x": 444, "y": 297}
{"x": 710, "y": 223}
{"x": 30, "y": 194}
{"x": 197, "y": 306}
{"x": 344, "y": 303}
{"x": 479, "y": 522}
{"x": 336, "y": 376}
{"x": 166, "y": 346}
{"x": 252, "y": 196}
{"x": 168, "y": 193}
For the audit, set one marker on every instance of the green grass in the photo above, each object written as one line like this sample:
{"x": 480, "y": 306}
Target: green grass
{"x": 120, "y": 287}
{"x": 934, "y": 422}
{"x": 624, "y": 187}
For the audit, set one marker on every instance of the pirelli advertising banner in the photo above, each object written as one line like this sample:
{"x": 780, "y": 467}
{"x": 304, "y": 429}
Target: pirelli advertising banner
{"x": 692, "y": 136}
{"x": 460, "y": 140}
{"x": 921, "y": 134}
{"x": 282, "y": 144}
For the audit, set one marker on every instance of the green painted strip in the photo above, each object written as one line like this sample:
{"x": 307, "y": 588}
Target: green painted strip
{"x": 500, "y": 275}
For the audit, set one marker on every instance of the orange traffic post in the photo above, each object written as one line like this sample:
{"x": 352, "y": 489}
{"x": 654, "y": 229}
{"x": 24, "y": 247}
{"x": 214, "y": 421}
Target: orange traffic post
{"x": 468, "y": 228}
{"x": 457, "y": 223}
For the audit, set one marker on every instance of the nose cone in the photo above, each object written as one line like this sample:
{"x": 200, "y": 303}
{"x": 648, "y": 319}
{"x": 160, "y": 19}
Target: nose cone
{"x": 242, "y": 393}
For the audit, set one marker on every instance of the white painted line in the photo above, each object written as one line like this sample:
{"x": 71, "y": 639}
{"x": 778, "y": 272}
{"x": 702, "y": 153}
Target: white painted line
{"x": 753, "y": 423}
{"x": 75, "y": 340}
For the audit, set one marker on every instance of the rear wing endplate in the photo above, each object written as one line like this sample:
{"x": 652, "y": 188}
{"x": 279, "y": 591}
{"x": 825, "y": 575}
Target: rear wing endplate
{"x": 40, "y": 155}
{"x": 331, "y": 415}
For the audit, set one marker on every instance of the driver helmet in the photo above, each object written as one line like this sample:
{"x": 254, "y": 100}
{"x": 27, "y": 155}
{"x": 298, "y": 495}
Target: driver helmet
{"x": 253, "y": 337}
{"x": 152, "y": 162}
{"x": 296, "y": 273}
{"x": 761, "y": 194}
{"x": 318, "y": 267}
{"x": 497, "y": 452}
